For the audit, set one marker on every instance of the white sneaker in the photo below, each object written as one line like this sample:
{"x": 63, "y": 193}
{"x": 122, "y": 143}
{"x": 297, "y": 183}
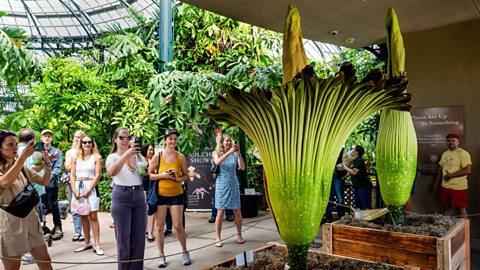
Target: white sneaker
{"x": 162, "y": 262}
{"x": 186, "y": 258}
{"x": 27, "y": 259}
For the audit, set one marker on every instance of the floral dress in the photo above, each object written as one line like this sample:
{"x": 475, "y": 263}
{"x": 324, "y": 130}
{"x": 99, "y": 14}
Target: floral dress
{"x": 227, "y": 187}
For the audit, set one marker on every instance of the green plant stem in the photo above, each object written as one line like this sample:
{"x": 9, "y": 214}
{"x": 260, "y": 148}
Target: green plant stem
{"x": 297, "y": 256}
{"x": 397, "y": 214}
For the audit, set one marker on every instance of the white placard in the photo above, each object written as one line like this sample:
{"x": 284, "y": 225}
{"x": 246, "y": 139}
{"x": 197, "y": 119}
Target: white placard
{"x": 240, "y": 258}
{"x": 250, "y": 191}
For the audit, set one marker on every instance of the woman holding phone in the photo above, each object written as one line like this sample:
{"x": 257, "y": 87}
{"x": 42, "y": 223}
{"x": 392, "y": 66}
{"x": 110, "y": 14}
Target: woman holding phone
{"x": 169, "y": 167}
{"x": 20, "y": 235}
{"x": 227, "y": 188}
{"x": 129, "y": 208}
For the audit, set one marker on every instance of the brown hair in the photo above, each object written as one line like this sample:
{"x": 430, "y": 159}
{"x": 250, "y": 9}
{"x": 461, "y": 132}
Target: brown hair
{"x": 3, "y": 135}
{"x": 113, "y": 147}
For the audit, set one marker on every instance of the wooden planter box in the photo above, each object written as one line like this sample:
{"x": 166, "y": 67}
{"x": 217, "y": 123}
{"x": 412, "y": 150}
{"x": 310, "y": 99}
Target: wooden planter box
{"x": 426, "y": 252}
{"x": 231, "y": 262}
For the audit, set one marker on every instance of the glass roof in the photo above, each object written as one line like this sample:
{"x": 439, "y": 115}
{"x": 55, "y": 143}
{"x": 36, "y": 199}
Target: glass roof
{"x": 63, "y": 24}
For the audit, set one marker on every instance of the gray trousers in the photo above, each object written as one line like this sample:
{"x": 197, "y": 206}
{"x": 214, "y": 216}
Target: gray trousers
{"x": 129, "y": 213}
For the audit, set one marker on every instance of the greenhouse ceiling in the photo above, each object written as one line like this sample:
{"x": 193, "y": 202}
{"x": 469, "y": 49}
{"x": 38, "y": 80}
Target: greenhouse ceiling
{"x": 64, "y": 24}
{"x": 350, "y": 23}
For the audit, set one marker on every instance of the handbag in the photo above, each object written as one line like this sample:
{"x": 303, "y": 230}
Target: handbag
{"x": 65, "y": 178}
{"x": 24, "y": 202}
{"x": 81, "y": 207}
{"x": 214, "y": 168}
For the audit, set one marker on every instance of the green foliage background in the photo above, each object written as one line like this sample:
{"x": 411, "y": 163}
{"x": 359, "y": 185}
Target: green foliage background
{"x": 118, "y": 84}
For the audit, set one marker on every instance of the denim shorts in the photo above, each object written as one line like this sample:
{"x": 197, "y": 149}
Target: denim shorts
{"x": 175, "y": 200}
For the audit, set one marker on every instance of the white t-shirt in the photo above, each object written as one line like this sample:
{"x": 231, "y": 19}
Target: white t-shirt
{"x": 125, "y": 177}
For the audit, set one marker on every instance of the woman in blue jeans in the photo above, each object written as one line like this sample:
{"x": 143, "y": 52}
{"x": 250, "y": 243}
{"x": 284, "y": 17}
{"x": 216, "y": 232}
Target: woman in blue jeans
{"x": 362, "y": 187}
{"x": 129, "y": 208}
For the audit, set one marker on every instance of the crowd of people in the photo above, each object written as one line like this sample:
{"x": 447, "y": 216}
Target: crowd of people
{"x": 146, "y": 186}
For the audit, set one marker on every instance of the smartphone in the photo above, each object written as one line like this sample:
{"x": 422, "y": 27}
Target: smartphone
{"x": 39, "y": 146}
{"x": 171, "y": 172}
{"x": 137, "y": 141}
{"x": 235, "y": 143}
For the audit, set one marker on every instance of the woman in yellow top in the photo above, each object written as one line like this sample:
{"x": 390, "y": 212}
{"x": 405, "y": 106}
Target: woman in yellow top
{"x": 169, "y": 167}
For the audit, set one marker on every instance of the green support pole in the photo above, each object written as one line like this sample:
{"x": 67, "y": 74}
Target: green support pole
{"x": 165, "y": 34}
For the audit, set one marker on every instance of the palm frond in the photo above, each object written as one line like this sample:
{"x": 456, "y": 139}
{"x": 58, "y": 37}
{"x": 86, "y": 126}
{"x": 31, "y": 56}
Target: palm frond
{"x": 14, "y": 32}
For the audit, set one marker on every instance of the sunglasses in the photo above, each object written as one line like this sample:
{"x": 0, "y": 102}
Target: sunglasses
{"x": 125, "y": 138}
{"x": 87, "y": 142}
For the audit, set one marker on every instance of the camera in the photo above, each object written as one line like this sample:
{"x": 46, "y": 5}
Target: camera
{"x": 39, "y": 147}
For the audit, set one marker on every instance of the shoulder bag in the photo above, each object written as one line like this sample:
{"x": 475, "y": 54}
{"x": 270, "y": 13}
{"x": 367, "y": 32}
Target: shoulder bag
{"x": 24, "y": 202}
{"x": 214, "y": 168}
{"x": 152, "y": 196}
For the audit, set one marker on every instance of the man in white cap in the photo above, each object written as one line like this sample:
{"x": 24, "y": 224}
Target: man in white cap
{"x": 55, "y": 156}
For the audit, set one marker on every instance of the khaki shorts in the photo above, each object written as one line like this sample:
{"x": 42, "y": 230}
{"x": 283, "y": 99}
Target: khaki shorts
{"x": 19, "y": 235}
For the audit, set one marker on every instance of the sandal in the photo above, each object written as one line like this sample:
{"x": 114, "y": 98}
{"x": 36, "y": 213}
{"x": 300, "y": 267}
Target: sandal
{"x": 219, "y": 244}
{"x": 240, "y": 240}
{"x": 150, "y": 240}
{"x": 76, "y": 237}
{"x": 98, "y": 251}
{"x": 83, "y": 248}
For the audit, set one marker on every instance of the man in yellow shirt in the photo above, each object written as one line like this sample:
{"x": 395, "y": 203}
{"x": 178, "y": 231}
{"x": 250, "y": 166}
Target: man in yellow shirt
{"x": 455, "y": 165}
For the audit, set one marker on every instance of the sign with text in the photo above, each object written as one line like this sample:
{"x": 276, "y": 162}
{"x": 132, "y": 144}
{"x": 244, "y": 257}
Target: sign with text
{"x": 201, "y": 184}
{"x": 432, "y": 125}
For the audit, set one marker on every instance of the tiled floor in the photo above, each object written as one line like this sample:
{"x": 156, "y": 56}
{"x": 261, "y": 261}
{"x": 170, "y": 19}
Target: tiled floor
{"x": 200, "y": 238}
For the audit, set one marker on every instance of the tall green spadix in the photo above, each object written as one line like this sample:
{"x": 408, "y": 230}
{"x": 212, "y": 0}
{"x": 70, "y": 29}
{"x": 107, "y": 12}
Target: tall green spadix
{"x": 397, "y": 141}
{"x": 299, "y": 128}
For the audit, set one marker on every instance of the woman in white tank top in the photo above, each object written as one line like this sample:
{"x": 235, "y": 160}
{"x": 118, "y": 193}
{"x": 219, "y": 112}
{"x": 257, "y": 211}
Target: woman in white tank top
{"x": 86, "y": 168}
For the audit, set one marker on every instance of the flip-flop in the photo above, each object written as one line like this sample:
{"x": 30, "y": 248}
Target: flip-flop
{"x": 83, "y": 248}
{"x": 150, "y": 240}
{"x": 241, "y": 241}
{"x": 219, "y": 244}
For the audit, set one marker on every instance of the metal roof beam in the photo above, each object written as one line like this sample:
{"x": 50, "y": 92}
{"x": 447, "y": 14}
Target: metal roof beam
{"x": 81, "y": 20}
{"x": 32, "y": 17}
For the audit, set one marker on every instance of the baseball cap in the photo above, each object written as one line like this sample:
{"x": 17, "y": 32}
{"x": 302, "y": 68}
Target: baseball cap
{"x": 46, "y": 131}
{"x": 453, "y": 135}
{"x": 170, "y": 131}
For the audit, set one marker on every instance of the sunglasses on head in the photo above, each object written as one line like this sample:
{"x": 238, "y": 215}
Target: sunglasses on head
{"x": 125, "y": 138}
{"x": 87, "y": 142}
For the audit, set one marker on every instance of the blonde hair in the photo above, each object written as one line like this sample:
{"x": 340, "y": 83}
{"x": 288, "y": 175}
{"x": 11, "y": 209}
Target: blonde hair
{"x": 80, "y": 153}
{"x": 80, "y": 133}
{"x": 220, "y": 150}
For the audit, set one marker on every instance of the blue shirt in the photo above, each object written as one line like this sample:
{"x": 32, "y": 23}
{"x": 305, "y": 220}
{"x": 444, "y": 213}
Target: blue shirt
{"x": 29, "y": 164}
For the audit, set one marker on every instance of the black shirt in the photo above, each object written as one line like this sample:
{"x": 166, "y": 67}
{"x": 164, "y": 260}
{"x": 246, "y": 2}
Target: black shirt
{"x": 361, "y": 178}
